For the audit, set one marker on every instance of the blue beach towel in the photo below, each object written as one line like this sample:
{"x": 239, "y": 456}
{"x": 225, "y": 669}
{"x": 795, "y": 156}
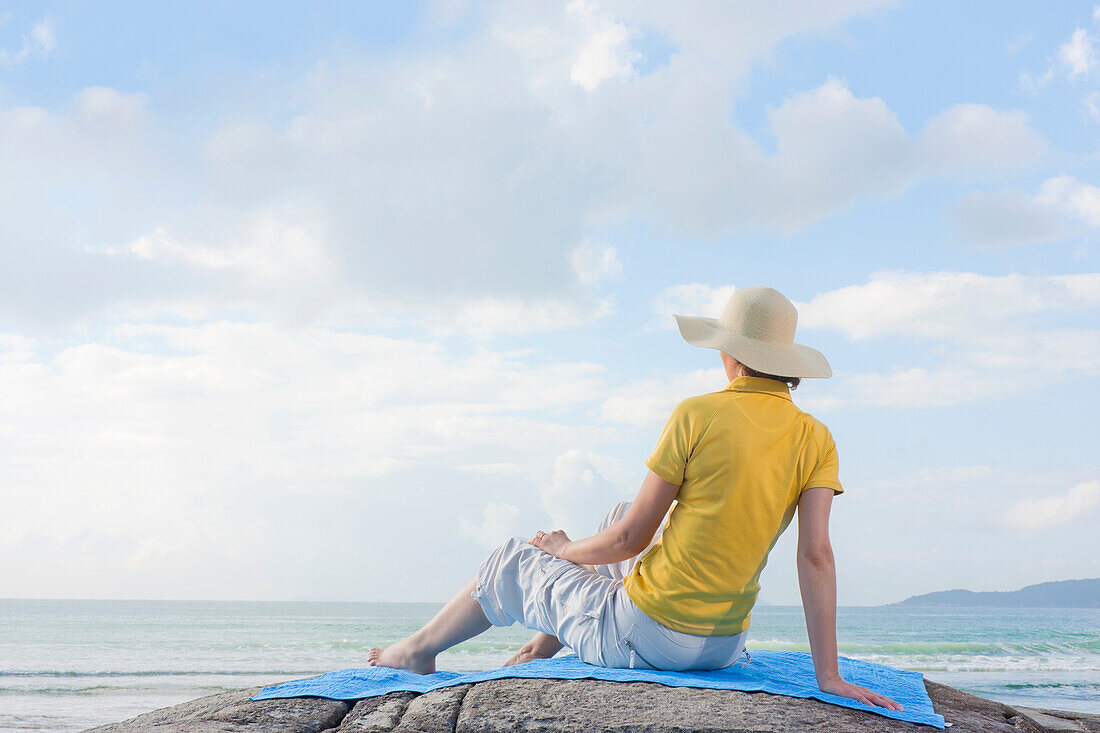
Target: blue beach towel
{"x": 780, "y": 673}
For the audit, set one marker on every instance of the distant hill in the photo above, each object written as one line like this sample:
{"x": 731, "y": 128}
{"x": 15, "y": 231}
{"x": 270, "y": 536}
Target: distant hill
{"x": 1058, "y": 594}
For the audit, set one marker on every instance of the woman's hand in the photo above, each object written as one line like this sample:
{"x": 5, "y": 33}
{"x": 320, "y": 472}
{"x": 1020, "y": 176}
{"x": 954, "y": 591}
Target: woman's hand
{"x": 552, "y": 543}
{"x": 838, "y": 686}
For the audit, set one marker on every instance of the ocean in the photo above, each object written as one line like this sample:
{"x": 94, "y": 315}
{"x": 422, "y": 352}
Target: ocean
{"x": 67, "y": 665}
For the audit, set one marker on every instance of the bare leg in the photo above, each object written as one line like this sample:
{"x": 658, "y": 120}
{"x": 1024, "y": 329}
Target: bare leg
{"x": 461, "y": 619}
{"x": 541, "y": 646}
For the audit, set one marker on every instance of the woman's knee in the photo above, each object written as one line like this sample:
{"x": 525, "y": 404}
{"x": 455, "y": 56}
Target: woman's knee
{"x": 514, "y": 543}
{"x": 514, "y": 555}
{"x": 509, "y": 547}
{"x": 617, "y": 512}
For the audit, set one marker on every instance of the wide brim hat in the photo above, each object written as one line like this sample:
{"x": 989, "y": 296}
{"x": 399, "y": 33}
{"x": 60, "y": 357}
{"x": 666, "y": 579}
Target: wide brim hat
{"x": 757, "y": 328}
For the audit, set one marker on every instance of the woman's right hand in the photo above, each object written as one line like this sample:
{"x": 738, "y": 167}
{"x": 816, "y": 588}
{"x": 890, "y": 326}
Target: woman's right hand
{"x": 838, "y": 686}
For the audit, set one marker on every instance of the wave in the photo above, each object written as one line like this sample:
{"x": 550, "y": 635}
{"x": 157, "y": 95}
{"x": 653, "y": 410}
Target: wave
{"x": 1051, "y": 685}
{"x": 155, "y": 673}
{"x": 1022, "y": 669}
{"x": 114, "y": 690}
{"x": 1090, "y": 648}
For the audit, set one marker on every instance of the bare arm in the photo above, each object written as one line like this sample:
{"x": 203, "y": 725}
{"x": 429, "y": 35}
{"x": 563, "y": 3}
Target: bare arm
{"x": 817, "y": 581}
{"x": 623, "y": 539}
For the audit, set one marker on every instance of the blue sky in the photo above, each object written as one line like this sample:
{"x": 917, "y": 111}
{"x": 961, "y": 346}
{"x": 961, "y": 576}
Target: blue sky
{"x": 323, "y": 301}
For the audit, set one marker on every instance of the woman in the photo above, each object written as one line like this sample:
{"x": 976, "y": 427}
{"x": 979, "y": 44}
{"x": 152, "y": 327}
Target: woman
{"x": 738, "y": 464}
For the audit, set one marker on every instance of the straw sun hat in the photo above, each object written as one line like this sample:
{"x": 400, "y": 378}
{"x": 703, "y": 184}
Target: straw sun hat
{"x": 757, "y": 329}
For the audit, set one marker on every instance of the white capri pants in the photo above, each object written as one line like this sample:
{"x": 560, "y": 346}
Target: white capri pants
{"x": 590, "y": 612}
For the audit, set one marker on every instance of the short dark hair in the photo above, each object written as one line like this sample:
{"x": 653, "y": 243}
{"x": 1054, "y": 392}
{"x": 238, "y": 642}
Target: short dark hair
{"x": 792, "y": 382}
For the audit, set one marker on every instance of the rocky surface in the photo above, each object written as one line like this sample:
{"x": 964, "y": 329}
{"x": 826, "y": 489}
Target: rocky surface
{"x": 579, "y": 706}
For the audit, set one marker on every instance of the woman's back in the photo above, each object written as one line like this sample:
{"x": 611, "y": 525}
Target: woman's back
{"x": 742, "y": 457}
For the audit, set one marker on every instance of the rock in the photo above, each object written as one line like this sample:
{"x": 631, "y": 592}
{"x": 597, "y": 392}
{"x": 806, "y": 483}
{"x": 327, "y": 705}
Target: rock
{"x": 582, "y": 706}
{"x": 233, "y": 712}
{"x": 434, "y": 712}
{"x": 579, "y": 706}
{"x": 972, "y": 713}
{"x": 1058, "y": 720}
{"x": 377, "y": 714}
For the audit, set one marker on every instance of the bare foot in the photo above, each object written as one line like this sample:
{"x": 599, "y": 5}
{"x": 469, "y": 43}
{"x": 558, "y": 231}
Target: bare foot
{"x": 524, "y": 655}
{"x": 402, "y": 656}
{"x": 541, "y": 646}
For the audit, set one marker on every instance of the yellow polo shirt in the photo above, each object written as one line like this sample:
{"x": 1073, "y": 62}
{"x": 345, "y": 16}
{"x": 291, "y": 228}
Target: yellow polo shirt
{"x": 742, "y": 457}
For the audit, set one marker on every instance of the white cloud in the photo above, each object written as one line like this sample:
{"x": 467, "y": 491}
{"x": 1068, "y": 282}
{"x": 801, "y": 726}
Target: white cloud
{"x": 607, "y": 52}
{"x": 499, "y": 522}
{"x": 271, "y": 253}
{"x": 607, "y": 55}
{"x": 832, "y": 150}
{"x": 920, "y": 387}
{"x": 878, "y": 145}
{"x": 691, "y": 299}
{"x": 265, "y": 248}
{"x": 249, "y": 434}
{"x": 38, "y": 42}
{"x": 1007, "y": 219}
{"x": 15, "y": 348}
{"x": 1092, "y": 105}
{"x": 1029, "y": 82}
{"x": 1077, "y": 54}
{"x": 491, "y": 468}
{"x": 981, "y": 326}
{"x": 448, "y": 12}
{"x": 946, "y": 305}
{"x": 976, "y": 136}
{"x": 1080, "y": 200}
{"x": 936, "y": 476}
{"x": 595, "y": 262}
{"x": 578, "y": 496}
{"x": 1041, "y": 350}
{"x": 1076, "y": 58}
{"x": 1051, "y": 511}
{"x": 489, "y": 316}
{"x": 647, "y": 401}
{"x": 981, "y": 332}
{"x": 469, "y": 171}
{"x": 109, "y": 107}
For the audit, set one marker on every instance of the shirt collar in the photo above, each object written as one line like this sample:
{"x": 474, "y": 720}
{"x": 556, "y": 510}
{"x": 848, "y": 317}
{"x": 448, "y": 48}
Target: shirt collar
{"x": 759, "y": 384}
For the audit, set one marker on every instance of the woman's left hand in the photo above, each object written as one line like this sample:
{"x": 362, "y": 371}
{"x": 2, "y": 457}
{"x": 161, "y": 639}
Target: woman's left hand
{"x": 552, "y": 543}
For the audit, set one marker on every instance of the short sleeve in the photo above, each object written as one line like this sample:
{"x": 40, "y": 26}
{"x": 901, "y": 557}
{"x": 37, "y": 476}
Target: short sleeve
{"x": 669, "y": 458}
{"x": 826, "y": 473}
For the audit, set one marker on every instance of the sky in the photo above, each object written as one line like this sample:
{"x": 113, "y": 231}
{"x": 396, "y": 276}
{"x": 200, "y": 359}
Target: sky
{"x": 323, "y": 301}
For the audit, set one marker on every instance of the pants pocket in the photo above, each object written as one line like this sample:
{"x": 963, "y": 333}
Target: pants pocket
{"x": 618, "y": 650}
{"x": 639, "y": 654}
{"x": 579, "y": 591}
